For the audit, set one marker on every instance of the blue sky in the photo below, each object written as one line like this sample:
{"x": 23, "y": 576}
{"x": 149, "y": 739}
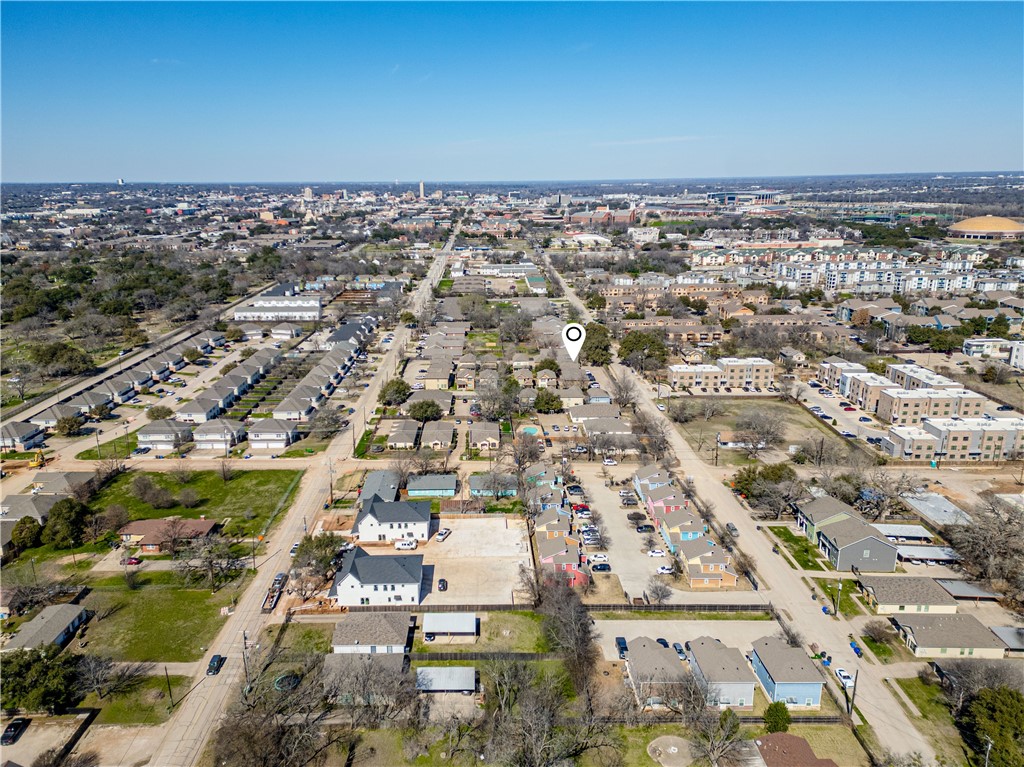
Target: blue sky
{"x": 493, "y": 91}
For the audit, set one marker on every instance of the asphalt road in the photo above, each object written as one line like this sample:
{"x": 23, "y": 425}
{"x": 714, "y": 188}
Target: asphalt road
{"x": 200, "y": 713}
{"x": 780, "y": 583}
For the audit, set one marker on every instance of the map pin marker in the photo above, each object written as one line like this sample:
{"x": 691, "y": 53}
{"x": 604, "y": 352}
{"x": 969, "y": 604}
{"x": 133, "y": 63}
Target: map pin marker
{"x": 573, "y": 337}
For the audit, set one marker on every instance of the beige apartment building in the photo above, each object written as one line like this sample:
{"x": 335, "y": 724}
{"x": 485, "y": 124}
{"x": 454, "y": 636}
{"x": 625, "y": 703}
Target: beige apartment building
{"x": 865, "y": 389}
{"x": 904, "y": 407}
{"x": 917, "y": 377}
{"x": 832, "y": 369}
{"x": 984, "y": 440}
{"x": 748, "y": 371}
{"x": 690, "y": 376}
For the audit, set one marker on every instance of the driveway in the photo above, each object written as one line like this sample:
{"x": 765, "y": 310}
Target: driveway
{"x": 732, "y": 633}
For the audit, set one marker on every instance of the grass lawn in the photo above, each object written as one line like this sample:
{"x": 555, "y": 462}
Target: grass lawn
{"x": 249, "y": 498}
{"x": 881, "y": 650}
{"x": 300, "y": 637}
{"x": 147, "y": 703}
{"x": 445, "y": 285}
{"x": 306, "y": 447}
{"x": 847, "y": 604}
{"x": 936, "y": 721}
{"x": 833, "y": 741}
{"x": 86, "y": 554}
{"x": 801, "y": 549}
{"x": 122, "y": 446}
{"x": 159, "y": 621}
{"x": 667, "y": 615}
{"x": 634, "y": 745}
{"x": 499, "y": 632}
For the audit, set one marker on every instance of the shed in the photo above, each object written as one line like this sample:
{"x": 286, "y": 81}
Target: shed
{"x": 937, "y": 509}
{"x": 446, "y": 679}
{"x": 451, "y": 624}
{"x": 964, "y": 590}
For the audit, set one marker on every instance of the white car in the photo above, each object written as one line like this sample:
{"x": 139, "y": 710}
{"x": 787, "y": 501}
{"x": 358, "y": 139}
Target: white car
{"x": 661, "y": 408}
{"x": 443, "y": 533}
{"x": 598, "y": 557}
{"x": 656, "y": 553}
{"x": 844, "y": 678}
{"x": 610, "y": 462}
{"x": 664, "y": 570}
{"x": 419, "y": 386}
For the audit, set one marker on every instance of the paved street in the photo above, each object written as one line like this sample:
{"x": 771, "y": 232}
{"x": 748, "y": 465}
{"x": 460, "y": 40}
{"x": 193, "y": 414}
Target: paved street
{"x": 781, "y": 584}
{"x": 199, "y": 714}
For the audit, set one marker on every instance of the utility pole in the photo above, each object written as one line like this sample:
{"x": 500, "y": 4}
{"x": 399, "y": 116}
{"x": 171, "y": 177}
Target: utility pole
{"x": 988, "y": 747}
{"x": 853, "y": 693}
{"x": 839, "y": 596}
{"x": 170, "y": 695}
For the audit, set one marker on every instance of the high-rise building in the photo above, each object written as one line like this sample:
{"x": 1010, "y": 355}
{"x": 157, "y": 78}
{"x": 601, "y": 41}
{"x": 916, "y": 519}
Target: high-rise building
{"x": 307, "y": 193}
{"x": 422, "y": 196}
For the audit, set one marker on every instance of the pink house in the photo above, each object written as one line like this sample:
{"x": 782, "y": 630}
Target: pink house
{"x": 562, "y": 557}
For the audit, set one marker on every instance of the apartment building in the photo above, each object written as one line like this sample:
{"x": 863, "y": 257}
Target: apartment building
{"x": 749, "y": 371}
{"x": 957, "y": 439}
{"x": 864, "y": 389}
{"x": 690, "y": 376}
{"x": 283, "y": 302}
{"x": 831, "y": 370}
{"x": 993, "y": 348}
{"x": 904, "y": 407}
{"x": 917, "y": 377}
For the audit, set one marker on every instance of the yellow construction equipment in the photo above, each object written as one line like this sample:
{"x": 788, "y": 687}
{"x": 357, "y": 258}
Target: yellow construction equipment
{"x": 37, "y": 461}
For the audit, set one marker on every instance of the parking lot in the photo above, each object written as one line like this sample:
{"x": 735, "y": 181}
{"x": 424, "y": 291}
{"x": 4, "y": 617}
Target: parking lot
{"x": 43, "y": 733}
{"x": 733, "y": 633}
{"x": 848, "y": 421}
{"x": 480, "y": 560}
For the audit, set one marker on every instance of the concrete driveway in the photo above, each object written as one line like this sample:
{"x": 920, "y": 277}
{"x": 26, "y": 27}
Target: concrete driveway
{"x": 738, "y": 634}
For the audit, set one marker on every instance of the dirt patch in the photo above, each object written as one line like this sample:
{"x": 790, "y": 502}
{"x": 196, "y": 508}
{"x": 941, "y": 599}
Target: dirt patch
{"x": 670, "y": 750}
{"x": 607, "y": 590}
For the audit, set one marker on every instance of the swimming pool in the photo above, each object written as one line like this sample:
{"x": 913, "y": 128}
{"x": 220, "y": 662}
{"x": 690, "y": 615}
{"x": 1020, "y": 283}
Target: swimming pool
{"x": 531, "y": 430}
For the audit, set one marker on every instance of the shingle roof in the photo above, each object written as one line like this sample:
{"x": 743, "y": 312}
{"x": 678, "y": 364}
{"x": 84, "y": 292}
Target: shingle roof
{"x": 383, "y": 484}
{"x": 428, "y": 482}
{"x": 397, "y": 511}
{"x": 45, "y": 627}
{"x": 719, "y": 664}
{"x": 906, "y": 590}
{"x": 371, "y": 629}
{"x": 385, "y": 568}
{"x": 822, "y": 508}
{"x": 949, "y": 631}
{"x": 649, "y": 661}
{"x": 785, "y": 664}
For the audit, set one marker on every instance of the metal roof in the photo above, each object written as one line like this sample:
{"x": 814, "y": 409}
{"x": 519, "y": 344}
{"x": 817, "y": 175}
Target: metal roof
{"x": 937, "y": 509}
{"x": 1011, "y": 636}
{"x": 449, "y": 623}
{"x": 965, "y": 590}
{"x": 446, "y": 678}
{"x": 903, "y": 531}
{"x": 932, "y": 553}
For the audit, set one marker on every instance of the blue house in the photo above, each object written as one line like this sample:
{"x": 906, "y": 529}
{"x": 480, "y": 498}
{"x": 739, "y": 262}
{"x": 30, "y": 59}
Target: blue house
{"x": 786, "y": 673}
{"x": 648, "y": 478}
{"x": 500, "y": 486}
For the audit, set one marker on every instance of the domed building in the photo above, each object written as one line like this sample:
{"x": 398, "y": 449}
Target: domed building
{"x": 987, "y": 228}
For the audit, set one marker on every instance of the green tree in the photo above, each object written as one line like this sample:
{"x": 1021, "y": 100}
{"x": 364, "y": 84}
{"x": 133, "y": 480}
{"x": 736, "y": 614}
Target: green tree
{"x": 159, "y": 413}
{"x": 38, "y": 680}
{"x": 1000, "y": 327}
{"x": 192, "y": 354}
{"x": 776, "y": 717}
{"x": 26, "y": 533}
{"x": 548, "y": 402}
{"x": 60, "y": 359}
{"x": 317, "y": 552}
{"x": 233, "y": 333}
{"x": 68, "y": 426}
{"x": 995, "y": 715}
{"x": 425, "y": 410}
{"x": 63, "y": 529}
{"x": 548, "y": 364}
{"x": 406, "y": 318}
{"x": 597, "y": 346}
{"x": 596, "y": 301}
{"x": 645, "y": 350}
{"x": 394, "y": 392}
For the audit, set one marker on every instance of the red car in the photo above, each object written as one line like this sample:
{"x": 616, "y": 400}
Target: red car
{"x": 131, "y": 561}
{"x": 849, "y": 409}
{"x": 580, "y": 507}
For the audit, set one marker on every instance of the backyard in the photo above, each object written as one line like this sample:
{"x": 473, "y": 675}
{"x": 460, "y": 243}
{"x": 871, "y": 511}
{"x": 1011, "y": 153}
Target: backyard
{"x": 248, "y": 498}
{"x": 935, "y": 721}
{"x": 145, "y": 703}
{"x": 848, "y": 605}
{"x": 132, "y": 624}
{"x": 499, "y": 632}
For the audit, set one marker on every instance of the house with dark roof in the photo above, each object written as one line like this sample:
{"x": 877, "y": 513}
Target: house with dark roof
{"x": 383, "y": 579}
{"x": 433, "y": 485}
{"x": 493, "y": 485}
{"x": 381, "y": 484}
{"x": 781, "y": 749}
{"x": 561, "y": 556}
{"x": 36, "y": 506}
{"x": 63, "y": 482}
{"x": 54, "y": 625}
{"x": 392, "y": 520}
{"x": 373, "y": 633}
{"x": 15, "y": 435}
{"x": 852, "y": 543}
{"x": 811, "y": 516}
{"x": 786, "y": 673}
{"x": 895, "y": 594}
{"x": 49, "y": 417}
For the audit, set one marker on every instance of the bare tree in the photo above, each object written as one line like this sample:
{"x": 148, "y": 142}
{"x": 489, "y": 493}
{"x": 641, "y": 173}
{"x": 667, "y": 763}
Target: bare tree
{"x": 716, "y": 737}
{"x": 711, "y": 407}
{"x": 658, "y": 591}
{"x": 962, "y": 679}
{"x": 569, "y": 629}
{"x": 878, "y": 630}
{"x": 181, "y": 472}
{"x": 623, "y": 391}
{"x": 208, "y": 561}
{"x": 886, "y": 492}
{"x": 758, "y": 430}
{"x": 403, "y": 465}
{"x": 227, "y": 473}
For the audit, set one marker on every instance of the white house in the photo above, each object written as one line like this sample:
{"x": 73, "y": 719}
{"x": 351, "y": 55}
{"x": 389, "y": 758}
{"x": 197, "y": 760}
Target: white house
{"x": 384, "y": 579}
{"x": 199, "y": 410}
{"x": 292, "y": 409}
{"x": 383, "y": 521}
{"x": 164, "y": 435}
{"x": 272, "y": 434}
{"x": 20, "y": 436}
{"x": 219, "y": 434}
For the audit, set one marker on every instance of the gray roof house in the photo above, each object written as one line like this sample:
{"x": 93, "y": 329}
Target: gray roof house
{"x": 61, "y": 482}
{"x": 437, "y": 435}
{"x": 889, "y": 594}
{"x": 392, "y": 520}
{"x": 15, "y": 435}
{"x": 653, "y": 669}
{"x": 31, "y": 505}
{"x": 164, "y": 435}
{"x": 724, "y": 670}
{"x": 403, "y": 434}
{"x": 948, "y": 636}
{"x": 786, "y": 673}
{"x": 199, "y": 410}
{"x": 55, "y": 624}
{"x": 272, "y": 434}
{"x": 853, "y": 543}
{"x": 811, "y": 516}
{"x": 49, "y": 417}
{"x": 382, "y": 484}
{"x": 371, "y": 633}
{"x": 446, "y": 679}
{"x": 218, "y": 434}
{"x": 382, "y": 579}
{"x": 443, "y": 485}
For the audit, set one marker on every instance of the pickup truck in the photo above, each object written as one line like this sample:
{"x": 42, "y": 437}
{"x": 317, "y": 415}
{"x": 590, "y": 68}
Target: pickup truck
{"x": 270, "y": 600}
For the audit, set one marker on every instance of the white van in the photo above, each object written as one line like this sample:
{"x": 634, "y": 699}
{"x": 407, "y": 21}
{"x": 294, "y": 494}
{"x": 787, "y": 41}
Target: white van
{"x": 405, "y": 545}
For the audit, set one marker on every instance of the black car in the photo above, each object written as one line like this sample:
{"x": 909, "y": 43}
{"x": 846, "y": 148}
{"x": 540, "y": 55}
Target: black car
{"x": 601, "y": 567}
{"x": 13, "y": 731}
{"x": 645, "y": 528}
{"x": 1004, "y": 408}
{"x": 216, "y": 662}
{"x": 662, "y": 642}
{"x": 442, "y": 584}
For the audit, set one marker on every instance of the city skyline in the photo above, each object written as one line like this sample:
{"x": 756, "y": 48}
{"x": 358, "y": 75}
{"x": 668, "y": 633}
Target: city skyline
{"x": 496, "y": 92}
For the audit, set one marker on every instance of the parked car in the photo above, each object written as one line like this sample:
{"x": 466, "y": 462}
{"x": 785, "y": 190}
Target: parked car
{"x": 597, "y": 557}
{"x": 630, "y": 502}
{"x": 442, "y": 584}
{"x": 733, "y": 530}
{"x": 610, "y": 462}
{"x": 293, "y": 549}
{"x": 131, "y": 561}
{"x": 849, "y": 409}
{"x": 864, "y": 419}
{"x": 661, "y": 407}
{"x": 443, "y": 533}
{"x": 645, "y": 528}
{"x": 1004, "y": 408}
{"x": 664, "y": 570}
{"x": 602, "y": 567}
{"x": 679, "y": 650}
{"x": 844, "y": 678}
{"x": 625, "y": 493}
{"x": 574, "y": 490}
{"x": 663, "y": 642}
{"x": 580, "y": 507}
{"x": 216, "y": 662}
{"x": 656, "y": 553}
{"x": 620, "y": 644}
{"x": 13, "y": 731}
